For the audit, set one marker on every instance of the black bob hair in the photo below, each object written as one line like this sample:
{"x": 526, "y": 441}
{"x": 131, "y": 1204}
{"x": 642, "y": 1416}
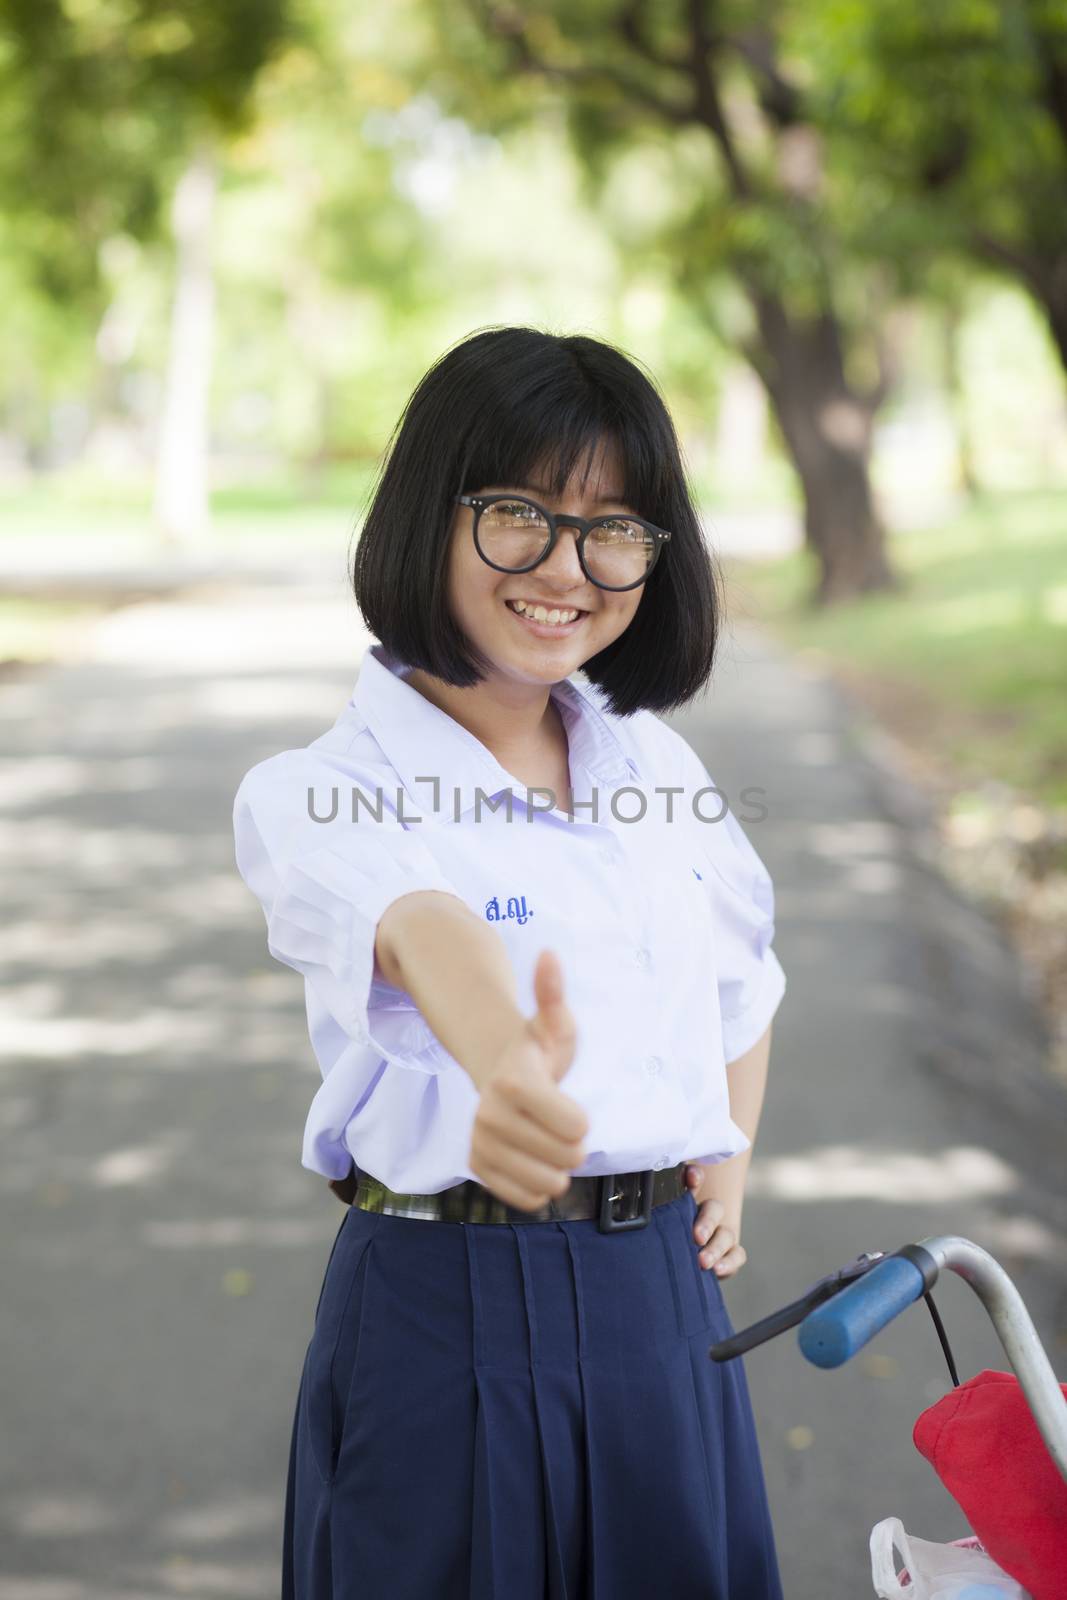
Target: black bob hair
{"x": 497, "y": 408}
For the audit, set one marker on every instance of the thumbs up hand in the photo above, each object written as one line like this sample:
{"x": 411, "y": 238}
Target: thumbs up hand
{"x": 528, "y": 1134}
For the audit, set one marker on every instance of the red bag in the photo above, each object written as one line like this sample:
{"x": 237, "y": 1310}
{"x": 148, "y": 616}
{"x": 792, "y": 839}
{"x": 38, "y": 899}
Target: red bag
{"x": 984, "y": 1445}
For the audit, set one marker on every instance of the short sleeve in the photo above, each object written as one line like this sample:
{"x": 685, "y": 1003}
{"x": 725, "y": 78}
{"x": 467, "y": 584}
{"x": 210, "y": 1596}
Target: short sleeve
{"x": 324, "y": 885}
{"x": 750, "y": 977}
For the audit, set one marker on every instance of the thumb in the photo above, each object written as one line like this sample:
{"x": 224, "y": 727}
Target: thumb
{"x": 552, "y": 1024}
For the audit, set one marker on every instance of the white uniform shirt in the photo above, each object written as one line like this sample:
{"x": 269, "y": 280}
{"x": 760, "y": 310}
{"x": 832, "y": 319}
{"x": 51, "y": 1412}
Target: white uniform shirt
{"x": 663, "y": 929}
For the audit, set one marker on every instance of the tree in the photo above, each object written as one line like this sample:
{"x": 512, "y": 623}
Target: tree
{"x": 107, "y": 109}
{"x": 958, "y": 114}
{"x": 181, "y": 504}
{"x": 713, "y": 82}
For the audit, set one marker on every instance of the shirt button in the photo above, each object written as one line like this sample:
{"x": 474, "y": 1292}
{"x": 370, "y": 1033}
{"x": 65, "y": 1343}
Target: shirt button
{"x": 643, "y": 957}
{"x": 653, "y": 1065}
{"x": 658, "y": 1166}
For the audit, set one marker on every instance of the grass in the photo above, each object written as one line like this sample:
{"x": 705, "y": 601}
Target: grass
{"x": 78, "y": 503}
{"x": 971, "y": 656}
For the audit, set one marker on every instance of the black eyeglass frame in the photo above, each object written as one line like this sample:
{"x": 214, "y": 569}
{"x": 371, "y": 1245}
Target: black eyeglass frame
{"x": 555, "y": 520}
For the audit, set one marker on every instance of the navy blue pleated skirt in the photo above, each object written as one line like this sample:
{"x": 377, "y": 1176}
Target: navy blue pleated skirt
{"x": 523, "y": 1412}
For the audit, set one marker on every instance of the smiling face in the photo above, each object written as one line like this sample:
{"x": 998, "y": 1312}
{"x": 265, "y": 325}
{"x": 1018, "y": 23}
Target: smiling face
{"x": 519, "y": 648}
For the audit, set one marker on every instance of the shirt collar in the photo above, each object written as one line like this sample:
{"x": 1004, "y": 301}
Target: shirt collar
{"x": 423, "y": 742}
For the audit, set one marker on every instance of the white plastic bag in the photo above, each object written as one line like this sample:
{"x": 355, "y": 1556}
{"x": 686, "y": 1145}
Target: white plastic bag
{"x": 961, "y": 1571}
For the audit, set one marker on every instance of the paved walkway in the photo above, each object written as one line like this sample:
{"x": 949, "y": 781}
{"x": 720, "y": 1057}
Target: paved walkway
{"x": 163, "y": 1248}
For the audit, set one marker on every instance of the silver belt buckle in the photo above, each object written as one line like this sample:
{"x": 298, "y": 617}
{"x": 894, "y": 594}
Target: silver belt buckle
{"x": 639, "y": 1207}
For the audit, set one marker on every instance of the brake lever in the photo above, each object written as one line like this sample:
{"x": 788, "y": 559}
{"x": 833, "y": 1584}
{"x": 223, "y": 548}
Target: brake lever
{"x": 738, "y": 1344}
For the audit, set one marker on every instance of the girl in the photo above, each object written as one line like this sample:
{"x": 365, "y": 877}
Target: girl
{"x": 534, "y": 940}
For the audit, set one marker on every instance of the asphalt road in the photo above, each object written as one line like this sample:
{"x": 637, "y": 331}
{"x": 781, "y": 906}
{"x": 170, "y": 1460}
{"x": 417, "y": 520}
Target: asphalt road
{"x": 162, "y": 1247}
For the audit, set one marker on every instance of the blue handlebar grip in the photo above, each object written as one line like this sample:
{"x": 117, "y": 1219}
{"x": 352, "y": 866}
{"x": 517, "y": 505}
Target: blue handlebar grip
{"x": 832, "y": 1333}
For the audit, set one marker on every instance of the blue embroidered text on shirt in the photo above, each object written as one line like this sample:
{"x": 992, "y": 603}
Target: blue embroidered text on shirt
{"x": 698, "y": 874}
{"x": 515, "y": 910}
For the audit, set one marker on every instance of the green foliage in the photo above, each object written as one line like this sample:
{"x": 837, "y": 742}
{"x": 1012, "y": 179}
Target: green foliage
{"x": 951, "y": 119}
{"x": 388, "y": 189}
{"x": 747, "y": 194}
{"x": 100, "y": 101}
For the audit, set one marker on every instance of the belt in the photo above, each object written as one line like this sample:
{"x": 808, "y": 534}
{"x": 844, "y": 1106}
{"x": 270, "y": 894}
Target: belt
{"x": 618, "y": 1200}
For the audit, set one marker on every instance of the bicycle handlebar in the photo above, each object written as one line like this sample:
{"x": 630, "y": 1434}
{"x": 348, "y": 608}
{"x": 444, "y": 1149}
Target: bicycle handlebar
{"x": 833, "y": 1332}
{"x": 853, "y": 1304}
{"x": 831, "y": 1335}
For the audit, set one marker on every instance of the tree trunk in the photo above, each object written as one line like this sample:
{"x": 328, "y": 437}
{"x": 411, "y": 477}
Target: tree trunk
{"x": 827, "y": 427}
{"x": 1054, "y": 300}
{"x": 310, "y": 328}
{"x": 1042, "y": 268}
{"x": 181, "y": 508}
{"x": 951, "y": 322}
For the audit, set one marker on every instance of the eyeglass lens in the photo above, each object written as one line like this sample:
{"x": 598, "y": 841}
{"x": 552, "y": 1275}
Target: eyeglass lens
{"x": 513, "y": 534}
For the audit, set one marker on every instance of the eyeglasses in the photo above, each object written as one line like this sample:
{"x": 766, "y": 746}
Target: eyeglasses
{"x": 514, "y": 534}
